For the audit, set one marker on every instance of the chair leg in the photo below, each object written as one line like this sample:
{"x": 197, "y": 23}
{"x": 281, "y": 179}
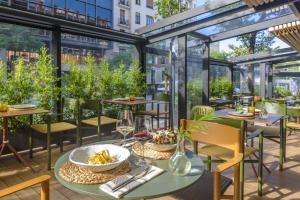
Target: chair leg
{"x": 30, "y": 145}
{"x": 242, "y": 179}
{"x": 236, "y": 182}
{"x": 49, "y": 142}
{"x": 49, "y": 150}
{"x": 260, "y": 165}
{"x": 253, "y": 167}
{"x": 61, "y": 145}
{"x": 209, "y": 163}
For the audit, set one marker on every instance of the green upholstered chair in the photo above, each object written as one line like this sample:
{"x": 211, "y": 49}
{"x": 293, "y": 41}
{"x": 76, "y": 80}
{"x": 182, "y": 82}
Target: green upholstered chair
{"x": 91, "y": 115}
{"x": 159, "y": 110}
{"x": 222, "y": 154}
{"x": 57, "y": 125}
{"x": 293, "y": 125}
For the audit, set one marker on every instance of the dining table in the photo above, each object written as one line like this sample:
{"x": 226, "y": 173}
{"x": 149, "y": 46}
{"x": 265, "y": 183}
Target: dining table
{"x": 268, "y": 121}
{"x": 130, "y": 103}
{"x": 162, "y": 185}
{"x": 11, "y": 113}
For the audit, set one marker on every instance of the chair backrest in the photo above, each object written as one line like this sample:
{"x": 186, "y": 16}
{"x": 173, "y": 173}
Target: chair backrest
{"x": 199, "y": 111}
{"x": 217, "y": 134}
{"x": 275, "y": 107}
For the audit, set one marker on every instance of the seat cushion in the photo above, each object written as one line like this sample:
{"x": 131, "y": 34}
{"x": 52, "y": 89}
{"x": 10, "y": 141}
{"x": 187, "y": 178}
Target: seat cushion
{"x": 223, "y": 153}
{"x": 293, "y": 125}
{"x": 94, "y": 121}
{"x": 55, "y": 127}
{"x": 202, "y": 188}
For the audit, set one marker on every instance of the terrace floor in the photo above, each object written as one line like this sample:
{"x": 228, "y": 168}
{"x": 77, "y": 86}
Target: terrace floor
{"x": 278, "y": 185}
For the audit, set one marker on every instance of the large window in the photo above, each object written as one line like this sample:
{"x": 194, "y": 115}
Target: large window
{"x": 149, "y": 20}
{"x": 74, "y": 10}
{"x": 149, "y": 4}
{"x": 137, "y": 18}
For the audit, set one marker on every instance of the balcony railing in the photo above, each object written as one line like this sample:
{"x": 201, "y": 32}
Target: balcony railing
{"x": 123, "y": 21}
{"x": 124, "y": 3}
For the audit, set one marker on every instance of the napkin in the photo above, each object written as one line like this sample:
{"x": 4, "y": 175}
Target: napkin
{"x": 152, "y": 173}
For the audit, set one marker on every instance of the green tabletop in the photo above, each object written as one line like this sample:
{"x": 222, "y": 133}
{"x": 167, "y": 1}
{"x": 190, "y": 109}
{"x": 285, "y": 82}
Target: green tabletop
{"x": 162, "y": 185}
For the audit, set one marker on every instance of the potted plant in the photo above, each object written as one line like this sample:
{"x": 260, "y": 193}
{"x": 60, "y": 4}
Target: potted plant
{"x": 281, "y": 92}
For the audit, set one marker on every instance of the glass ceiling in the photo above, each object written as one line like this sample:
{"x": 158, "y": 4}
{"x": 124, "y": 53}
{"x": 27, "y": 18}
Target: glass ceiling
{"x": 245, "y": 21}
{"x": 202, "y": 16}
{"x": 246, "y": 16}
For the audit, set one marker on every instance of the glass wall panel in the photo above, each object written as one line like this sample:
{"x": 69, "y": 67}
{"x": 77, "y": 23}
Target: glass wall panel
{"x": 19, "y": 41}
{"x": 195, "y": 50}
{"x": 162, "y": 75}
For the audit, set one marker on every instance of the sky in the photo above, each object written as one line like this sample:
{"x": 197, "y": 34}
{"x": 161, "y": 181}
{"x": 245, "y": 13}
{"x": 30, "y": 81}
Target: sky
{"x": 224, "y": 45}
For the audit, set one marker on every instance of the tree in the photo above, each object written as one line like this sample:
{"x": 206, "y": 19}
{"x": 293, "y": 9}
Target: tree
{"x": 167, "y": 8}
{"x": 219, "y": 55}
{"x": 253, "y": 43}
{"x": 18, "y": 38}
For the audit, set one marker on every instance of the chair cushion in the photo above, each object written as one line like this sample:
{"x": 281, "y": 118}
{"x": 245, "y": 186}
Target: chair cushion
{"x": 202, "y": 188}
{"x": 223, "y": 153}
{"x": 55, "y": 127}
{"x": 293, "y": 125}
{"x": 94, "y": 121}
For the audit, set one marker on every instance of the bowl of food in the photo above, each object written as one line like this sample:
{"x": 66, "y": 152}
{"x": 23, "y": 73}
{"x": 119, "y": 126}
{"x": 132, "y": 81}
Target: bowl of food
{"x": 99, "y": 158}
{"x": 162, "y": 140}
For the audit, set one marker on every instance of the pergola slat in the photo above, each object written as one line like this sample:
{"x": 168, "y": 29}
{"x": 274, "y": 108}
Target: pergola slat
{"x": 288, "y": 33}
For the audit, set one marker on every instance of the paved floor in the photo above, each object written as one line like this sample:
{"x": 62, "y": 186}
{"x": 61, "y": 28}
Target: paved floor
{"x": 277, "y": 185}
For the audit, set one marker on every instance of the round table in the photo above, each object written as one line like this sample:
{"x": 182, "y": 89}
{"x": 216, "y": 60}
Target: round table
{"x": 161, "y": 185}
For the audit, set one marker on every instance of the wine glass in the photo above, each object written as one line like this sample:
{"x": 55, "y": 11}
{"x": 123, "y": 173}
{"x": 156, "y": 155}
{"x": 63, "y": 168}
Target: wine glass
{"x": 125, "y": 123}
{"x": 142, "y": 130}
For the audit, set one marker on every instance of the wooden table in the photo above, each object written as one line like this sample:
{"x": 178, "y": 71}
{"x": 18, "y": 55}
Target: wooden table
{"x": 5, "y": 141}
{"x": 130, "y": 103}
{"x": 164, "y": 184}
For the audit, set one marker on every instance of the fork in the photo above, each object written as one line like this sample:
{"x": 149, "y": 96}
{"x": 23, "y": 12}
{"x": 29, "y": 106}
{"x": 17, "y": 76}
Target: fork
{"x": 133, "y": 178}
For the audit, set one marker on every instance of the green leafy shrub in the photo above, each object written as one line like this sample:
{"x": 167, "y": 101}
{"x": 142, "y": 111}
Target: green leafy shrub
{"x": 18, "y": 87}
{"x": 281, "y": 92}
{"x": 136, "y": 84}
{"x": 221, "y": 87}
{"x": 44, "y": 80}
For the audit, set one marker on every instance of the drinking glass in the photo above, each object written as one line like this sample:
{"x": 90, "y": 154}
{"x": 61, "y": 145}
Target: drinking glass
{"x": 125, "y": 123}
{"x": 142, "y": 130}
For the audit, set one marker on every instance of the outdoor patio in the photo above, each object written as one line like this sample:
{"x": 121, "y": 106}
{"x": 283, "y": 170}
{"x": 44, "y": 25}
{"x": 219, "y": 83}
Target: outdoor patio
{"x": 202, "y": 104}
{"x": 278, "y": 185}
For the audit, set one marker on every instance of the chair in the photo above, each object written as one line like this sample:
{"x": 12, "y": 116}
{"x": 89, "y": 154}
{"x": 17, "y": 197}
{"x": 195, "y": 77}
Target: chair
{"x": 229, "y": 141}
{"x": 293, "y": 126}
{"x": 95, "y": 119}
{"x": 274, "y": 132}
{"x": 200, "y": 110}
{"x": 225, "y": 154}
{"x": 58, "y": 128}
{"x": 43, "y": 180}
{"x": 155, "y": 112}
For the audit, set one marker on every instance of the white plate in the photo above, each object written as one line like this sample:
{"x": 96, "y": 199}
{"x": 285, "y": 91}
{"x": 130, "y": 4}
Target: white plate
{"x": 80, "y": 156}
{"x": 121, "y": 99}
{"x": 238, "y": 114}
{"x": 23, "y": 106}
{"x": 160, "y": 147}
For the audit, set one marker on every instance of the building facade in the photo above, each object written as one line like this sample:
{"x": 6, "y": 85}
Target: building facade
{"x": 130, "y": 15}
